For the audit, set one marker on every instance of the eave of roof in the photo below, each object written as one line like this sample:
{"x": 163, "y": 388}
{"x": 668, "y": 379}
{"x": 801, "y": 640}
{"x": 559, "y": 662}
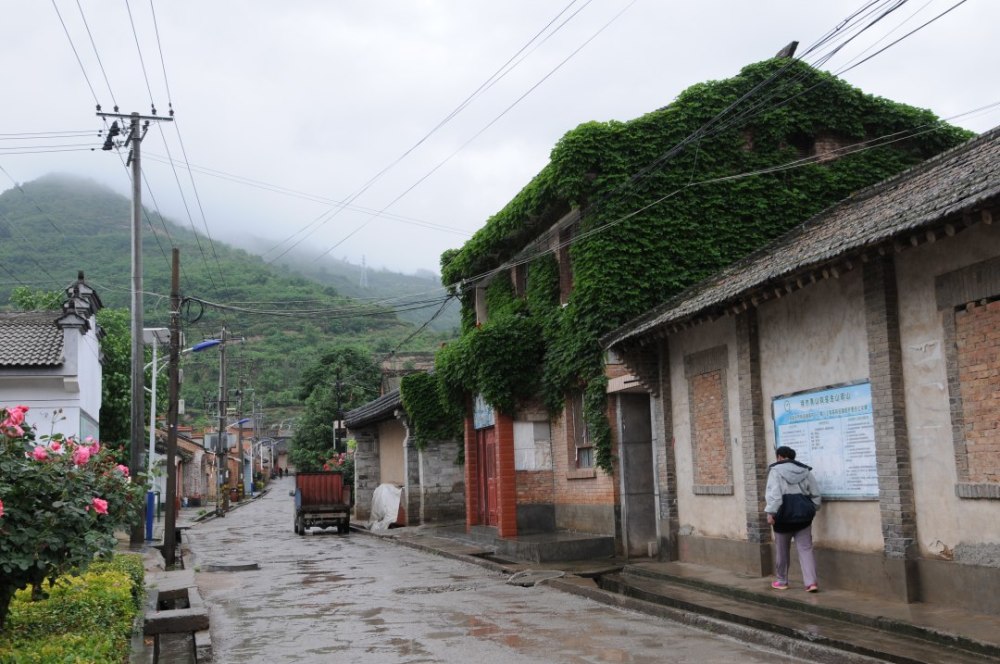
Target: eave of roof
{"x": 374, "y": 411}
{"x": 30, "y": 339}
{"x": 928, "y": 195}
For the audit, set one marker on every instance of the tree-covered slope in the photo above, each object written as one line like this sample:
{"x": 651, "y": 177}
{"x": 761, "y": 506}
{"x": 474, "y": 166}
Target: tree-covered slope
{"x": 55, "y": 226}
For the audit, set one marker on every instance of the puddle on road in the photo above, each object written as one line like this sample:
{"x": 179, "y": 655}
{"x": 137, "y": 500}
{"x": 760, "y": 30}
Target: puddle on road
{"x": 317, "y": 577}
{"x": 434, "y": 590}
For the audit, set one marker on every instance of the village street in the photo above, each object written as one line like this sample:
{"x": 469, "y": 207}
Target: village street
{"x": 327, "y": 597}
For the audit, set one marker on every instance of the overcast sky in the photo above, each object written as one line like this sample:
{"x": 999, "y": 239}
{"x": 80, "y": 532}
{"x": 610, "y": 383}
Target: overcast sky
{"x": 320, "y": 96}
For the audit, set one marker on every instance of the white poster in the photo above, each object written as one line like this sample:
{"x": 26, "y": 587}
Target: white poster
{"x": 832, "y": 430}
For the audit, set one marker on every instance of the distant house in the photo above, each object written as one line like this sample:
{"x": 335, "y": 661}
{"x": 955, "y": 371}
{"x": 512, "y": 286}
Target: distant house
{"x": 51, "y": 362}
{"x": 433, "y": 487}
{"x": 868, "y": 340}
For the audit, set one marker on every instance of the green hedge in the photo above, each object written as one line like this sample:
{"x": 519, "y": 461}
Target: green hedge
{"x": 87, "y": 618}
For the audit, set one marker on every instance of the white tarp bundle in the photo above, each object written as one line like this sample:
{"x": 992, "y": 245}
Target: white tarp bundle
{"x": 385, "y": 506}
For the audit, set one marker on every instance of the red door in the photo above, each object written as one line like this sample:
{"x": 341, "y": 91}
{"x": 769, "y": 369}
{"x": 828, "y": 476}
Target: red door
{"x": 486, "y": 440}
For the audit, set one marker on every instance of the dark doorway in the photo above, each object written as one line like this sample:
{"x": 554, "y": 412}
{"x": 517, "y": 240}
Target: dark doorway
{"x": 638, "y": 475}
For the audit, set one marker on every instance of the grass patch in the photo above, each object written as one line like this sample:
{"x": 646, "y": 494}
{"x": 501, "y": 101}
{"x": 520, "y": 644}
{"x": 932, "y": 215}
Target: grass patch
{"x": 87, "y": 618}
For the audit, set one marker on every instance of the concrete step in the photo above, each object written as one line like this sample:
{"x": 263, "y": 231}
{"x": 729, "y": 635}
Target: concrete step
{"x": 790, "y": 621}
{"x": 979, "y": 632}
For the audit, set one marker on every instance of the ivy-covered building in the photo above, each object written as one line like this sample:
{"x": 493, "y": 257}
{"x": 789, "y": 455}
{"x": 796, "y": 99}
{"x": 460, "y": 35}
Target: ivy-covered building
{"x": 625, "y": 215}
{"x": 868, "y": 340}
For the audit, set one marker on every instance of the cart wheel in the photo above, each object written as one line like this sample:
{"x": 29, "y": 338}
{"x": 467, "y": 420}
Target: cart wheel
{"x": 300, "y": 526}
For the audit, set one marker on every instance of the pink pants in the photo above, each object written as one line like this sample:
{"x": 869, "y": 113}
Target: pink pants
{"x": 804, "y": 545}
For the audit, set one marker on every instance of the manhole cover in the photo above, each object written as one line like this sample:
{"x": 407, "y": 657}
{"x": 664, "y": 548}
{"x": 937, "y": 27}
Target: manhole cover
{"x": 231, "y": 567}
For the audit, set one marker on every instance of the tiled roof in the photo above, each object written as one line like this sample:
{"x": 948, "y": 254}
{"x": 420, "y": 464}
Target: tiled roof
{"x": 374, "y": 411}
{"x": 30, "y": 339}
{"x": 937, "y": 190}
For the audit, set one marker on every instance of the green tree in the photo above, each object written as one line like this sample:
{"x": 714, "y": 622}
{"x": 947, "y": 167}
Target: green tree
{"x": 358, "y": 383}
{"x": 28, "y": 299}
{"x": 116, "y": 385}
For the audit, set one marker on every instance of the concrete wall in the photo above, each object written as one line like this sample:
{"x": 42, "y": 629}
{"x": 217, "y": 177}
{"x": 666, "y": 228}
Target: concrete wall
{"x": 948, "y": 527}
{"x": 896, "y": 321}
{"x": 809, "y": 339}
{"x": 705, "y": 514}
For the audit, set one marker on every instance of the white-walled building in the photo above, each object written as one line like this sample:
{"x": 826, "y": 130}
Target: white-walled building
{"x": 51, "y": 362}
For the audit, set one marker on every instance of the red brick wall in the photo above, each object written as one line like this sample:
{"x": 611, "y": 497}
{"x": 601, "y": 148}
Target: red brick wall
{"x": 978, "y": 339}
{"x": 572, "y": 486}
{"x": 534, "y": 487}
{"x": 707, "y": 406}
{"x": 506, "y": 477}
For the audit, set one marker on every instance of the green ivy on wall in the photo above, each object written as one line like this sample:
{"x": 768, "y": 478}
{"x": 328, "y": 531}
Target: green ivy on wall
{"x": 662, "y": 231}
{"x": 433, "y": 417}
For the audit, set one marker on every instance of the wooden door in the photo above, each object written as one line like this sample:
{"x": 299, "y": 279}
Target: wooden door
{"x": 487, "y": 448}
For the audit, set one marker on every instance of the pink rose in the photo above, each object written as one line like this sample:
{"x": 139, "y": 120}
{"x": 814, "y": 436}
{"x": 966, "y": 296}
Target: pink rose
{"x": 15, "y": 415}
{"x": 56, "y": 447}
{"x": 11, "y": 430}
{"x": 95, "y": 446}
{"x": 1, "y": 508}
{"x": 81, "y": 455}
{"x": 122, "y": 469}
{"x": 40, "y": 453}
{"x": 100, "y": 505}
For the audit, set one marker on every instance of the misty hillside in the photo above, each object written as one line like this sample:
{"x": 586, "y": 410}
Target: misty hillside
{"x": 55, "y": 226}
{"x": 366, "y": 283}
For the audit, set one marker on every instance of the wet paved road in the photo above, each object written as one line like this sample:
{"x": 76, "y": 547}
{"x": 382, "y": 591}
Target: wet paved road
{"x": 356, "y": 598}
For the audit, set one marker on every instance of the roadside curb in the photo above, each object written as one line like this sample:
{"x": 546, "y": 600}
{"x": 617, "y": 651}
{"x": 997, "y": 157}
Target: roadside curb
{"x": 793, "y": 646}
{"x": 491, "y": 565}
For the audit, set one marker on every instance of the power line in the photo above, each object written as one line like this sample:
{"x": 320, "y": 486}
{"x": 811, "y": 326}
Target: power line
{"x": 483, "y": 130}
{"x": 489, "y": 82}
{"x": 285, "y": 191}
{"x": 78, "y": 60}
{"x": 880, "y": 141}
{"x": 97, "y": 55}
{"x": 46, "y": 135}
{"x": 142, "y": 62}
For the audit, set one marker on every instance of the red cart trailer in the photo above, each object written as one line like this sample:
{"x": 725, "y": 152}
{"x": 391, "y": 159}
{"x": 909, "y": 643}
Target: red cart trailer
{"x": 322, "y": 500}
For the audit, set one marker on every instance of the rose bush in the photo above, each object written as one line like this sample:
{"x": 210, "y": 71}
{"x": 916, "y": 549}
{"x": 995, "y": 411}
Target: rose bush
{"x": 344, "y": 463}
{"x": 61, "y": 502}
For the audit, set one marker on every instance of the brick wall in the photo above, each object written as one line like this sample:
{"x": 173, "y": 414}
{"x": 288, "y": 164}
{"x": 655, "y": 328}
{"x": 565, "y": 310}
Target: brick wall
{"x": 977, "y": 332}
{"x": 892, "y": 447}
{"x": 471, "y": 475}
{"x": 366, "y": 471}
{"x": 506, "y": 477}
{"x": 966, "y": 294}
{"x": 709, "y": 444}
{"x": 708, "y": 409}
{"x": 442, "y": 482}
{"x": 534, "y": 487}
{"x": 754, "y": 445}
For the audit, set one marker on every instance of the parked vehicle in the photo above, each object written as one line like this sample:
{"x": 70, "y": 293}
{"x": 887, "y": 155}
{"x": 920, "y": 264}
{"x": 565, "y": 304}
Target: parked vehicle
{"x": 322, "y": 500}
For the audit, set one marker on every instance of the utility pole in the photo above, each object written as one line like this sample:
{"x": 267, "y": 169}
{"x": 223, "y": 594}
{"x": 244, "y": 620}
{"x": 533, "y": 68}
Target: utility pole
{"x": 340, "y": 416}
{"x": 240, "y": 473}
{"x": 222, "y": 453}
{"x": 170, "y": 520}
{"x": 137, "y": 131}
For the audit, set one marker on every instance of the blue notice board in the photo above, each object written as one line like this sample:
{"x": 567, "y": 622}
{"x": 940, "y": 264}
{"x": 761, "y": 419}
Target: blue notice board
{"x": 832, "y": 430}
